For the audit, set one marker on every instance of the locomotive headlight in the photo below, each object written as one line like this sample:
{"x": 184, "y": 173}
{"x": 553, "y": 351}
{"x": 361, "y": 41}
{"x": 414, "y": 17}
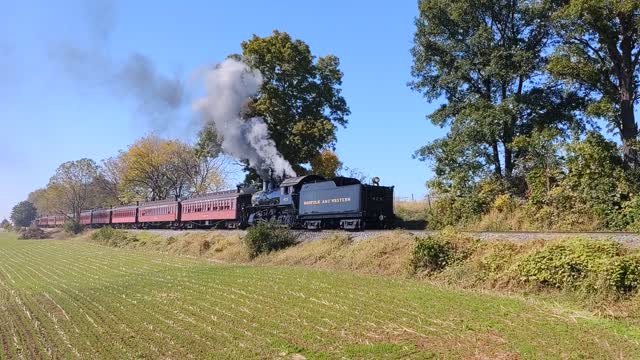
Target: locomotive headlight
{"x": 375, "y": 181}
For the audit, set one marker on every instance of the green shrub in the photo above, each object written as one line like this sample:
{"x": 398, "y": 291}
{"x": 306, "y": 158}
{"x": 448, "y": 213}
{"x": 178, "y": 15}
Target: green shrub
{"x": 113, "y": 237}
{"x": 72, "y": 227}
{"x": 571, "y": 264}
{"x": 265, "y": 237}
{"x": 432, "y": 254}
{"x": 32, "y": 232}
{"x": 624, "y": 273}
{"x": 631, "y": 212}
{"x": 493, "y": 261}
{"x": 454, "y": 211}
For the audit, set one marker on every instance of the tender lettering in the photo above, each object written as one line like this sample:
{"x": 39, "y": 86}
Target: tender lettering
{"x": 327, "y": 201}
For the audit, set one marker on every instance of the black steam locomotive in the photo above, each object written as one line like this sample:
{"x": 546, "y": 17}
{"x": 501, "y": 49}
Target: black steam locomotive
{"x": 313, "y": 202}
{"x": 305, "y": 202}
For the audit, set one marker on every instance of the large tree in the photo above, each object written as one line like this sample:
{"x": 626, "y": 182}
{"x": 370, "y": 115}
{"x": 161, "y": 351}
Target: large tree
{"x": 213, "y": 169}
{"x": 73, "y": 188}
{"x": 23, "y": 213}
{"x": 485, "y": 59}
{"x": 109, "y": 181}
{"x": 146, "y": 169}
{"x": 300, "y": 98}
{"x": 600, "y": 53}
{"x": 155, "y": 169}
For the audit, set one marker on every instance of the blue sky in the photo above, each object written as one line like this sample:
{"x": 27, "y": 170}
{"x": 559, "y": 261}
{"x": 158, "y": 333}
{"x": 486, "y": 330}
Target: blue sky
{"x": 47, "y": 118}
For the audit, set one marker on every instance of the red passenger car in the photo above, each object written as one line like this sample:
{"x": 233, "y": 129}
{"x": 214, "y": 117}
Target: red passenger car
{"x": 101, "y": 217}
{"x": 124, "y": 214}
{"x": 85, "y": 217}
{"x": 159, "y": 213}
{"x": 219, "y": 209}
{"x": 59, "y": 220}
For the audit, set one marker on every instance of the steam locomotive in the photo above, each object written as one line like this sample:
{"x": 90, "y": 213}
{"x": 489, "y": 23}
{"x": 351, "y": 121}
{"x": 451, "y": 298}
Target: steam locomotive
{"x": 306, "y": 202}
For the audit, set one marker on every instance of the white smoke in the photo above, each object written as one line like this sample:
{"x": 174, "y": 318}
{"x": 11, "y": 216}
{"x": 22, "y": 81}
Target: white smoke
{"x": 229, "y": 85}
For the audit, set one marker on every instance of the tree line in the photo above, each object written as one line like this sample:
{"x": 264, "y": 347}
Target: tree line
{"x": 152, "y": 168}
{"x": 538, "y": 99}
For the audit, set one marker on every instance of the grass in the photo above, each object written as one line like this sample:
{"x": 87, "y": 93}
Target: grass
{"x": 412, "y": 213}
{"x": 72, "y": 298}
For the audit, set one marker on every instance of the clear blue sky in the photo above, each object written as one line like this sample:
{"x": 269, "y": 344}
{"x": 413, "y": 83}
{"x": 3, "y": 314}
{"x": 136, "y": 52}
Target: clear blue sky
{"x": 46, "y": 118}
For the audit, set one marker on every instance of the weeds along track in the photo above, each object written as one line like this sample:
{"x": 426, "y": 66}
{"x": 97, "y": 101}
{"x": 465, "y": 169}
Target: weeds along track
{"x": 72, "y": 299}
{"x": 629, "y": 238}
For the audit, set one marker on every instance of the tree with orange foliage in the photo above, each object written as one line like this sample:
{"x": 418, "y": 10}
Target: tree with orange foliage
{"x": 326, "y": 163}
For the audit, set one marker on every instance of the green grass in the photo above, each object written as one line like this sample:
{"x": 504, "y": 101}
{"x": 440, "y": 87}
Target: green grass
{"x": 69, "y": 299}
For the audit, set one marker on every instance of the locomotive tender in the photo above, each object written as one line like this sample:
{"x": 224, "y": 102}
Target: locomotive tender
{"x": 306, "y": 202}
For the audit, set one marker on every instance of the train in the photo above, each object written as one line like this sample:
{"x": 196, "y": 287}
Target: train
{"x": 309, "y": 202}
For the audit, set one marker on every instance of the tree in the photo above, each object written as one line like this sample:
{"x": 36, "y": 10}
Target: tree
{"x": 23, "y": 214}
{"x": 541, "y": 163}
{"x": 145, "y": 169}
{"x": 5, "y": 224}
{"x": 212, "y": 171}
{"x": 326, "y": 163}
{"x": 109, "y": 180}
{"x": 73, "y": 188}
{"x": 43, "y": 201}
{"x": 600, "y": 52}
{"x": 595, "y": 174}
{"x": 300, "y": 98}
{"x": 486, "y": 58}
{"x": 155, "y": 169}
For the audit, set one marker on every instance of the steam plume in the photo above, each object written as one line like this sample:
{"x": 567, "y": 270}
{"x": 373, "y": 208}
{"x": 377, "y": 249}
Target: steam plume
{"x": 229, "y": 85}
{"x": 157, "y": 97}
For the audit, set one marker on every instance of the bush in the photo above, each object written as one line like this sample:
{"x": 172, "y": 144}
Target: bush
{"x": 265, "y": 237}
{"x": 72, "y": 227}
{"x": 432, "y": 254}
{"x": 113, "y": 237}
{"x": 593, "y": 268}
{"x": 590, "y": 266}
{"x": 624, "y": 273}
{"x": 32, "y": 232}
